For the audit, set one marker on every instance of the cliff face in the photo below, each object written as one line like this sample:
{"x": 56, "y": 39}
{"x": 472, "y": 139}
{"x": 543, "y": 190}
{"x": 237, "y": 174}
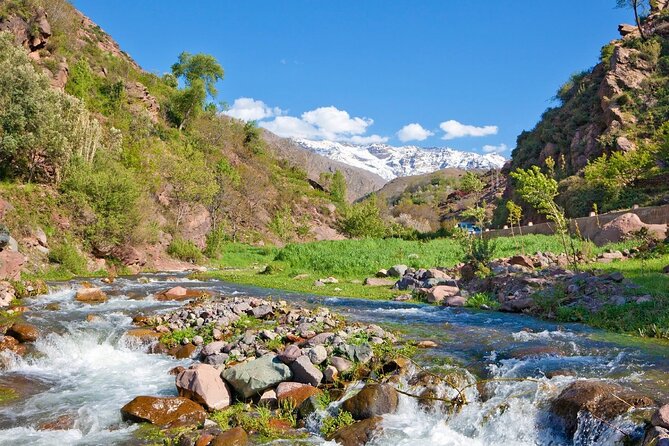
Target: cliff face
{"x": 618, "y": 106}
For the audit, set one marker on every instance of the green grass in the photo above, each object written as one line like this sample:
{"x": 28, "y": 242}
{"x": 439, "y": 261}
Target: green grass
{"x": 645, "y": 273}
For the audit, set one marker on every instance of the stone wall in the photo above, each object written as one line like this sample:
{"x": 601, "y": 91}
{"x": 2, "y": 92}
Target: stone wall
{"x": 590, "y": 226}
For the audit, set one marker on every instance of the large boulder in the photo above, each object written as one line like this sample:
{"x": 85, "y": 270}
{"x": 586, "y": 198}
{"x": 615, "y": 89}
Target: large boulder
{"x": 202, "y": 383}
{"x": 232, "y": 437}
{"x": 358, "y": 434}
{"x": 373, "y": 400}
{"x": 254, "y": 377}
{"x": 164, "y": 412}
{"x": 304, "y": 371}
{"x": 23, "y": 332}
{"x": 90, "y": 295}
{"x": 441, "y": 293}
{"x": 295, "y": 392}
{"x": 624, "y": 226}
{"x": 11, "y": 263}
{"x": 603, "y": 400}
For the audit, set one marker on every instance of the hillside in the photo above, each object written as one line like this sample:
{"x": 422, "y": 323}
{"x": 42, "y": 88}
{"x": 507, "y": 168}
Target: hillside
{"x": 359, "y": 182}
{"x": 609, "y": 134}
{"x": 390, "y": 162}
{"x": 106, "y": 165}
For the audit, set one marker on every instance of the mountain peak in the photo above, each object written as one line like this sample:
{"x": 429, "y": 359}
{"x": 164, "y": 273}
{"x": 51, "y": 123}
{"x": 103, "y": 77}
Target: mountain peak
{"x": 399, "y": 161}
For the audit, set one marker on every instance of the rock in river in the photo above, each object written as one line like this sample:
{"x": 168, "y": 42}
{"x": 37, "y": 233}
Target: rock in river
{"x": 253, "y": 377}
{"x": 164, "y": 412}
{"x": 23, "y": 332}
{"x": 373, "y": 400}
{"x": 202, "y": 383}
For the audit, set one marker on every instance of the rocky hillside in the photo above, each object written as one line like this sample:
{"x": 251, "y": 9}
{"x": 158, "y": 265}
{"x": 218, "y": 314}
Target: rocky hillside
{"x": 105, "y": 165}
{"x": 608, "y": 135}
{"x": 359, "y": 182}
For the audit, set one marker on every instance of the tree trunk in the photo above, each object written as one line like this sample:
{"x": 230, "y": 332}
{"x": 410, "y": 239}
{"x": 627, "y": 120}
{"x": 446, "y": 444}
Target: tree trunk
{"x": 635, "y": 6}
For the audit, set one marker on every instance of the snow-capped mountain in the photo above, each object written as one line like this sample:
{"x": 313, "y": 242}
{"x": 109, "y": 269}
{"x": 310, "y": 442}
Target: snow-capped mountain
{"x": 390, "y": 162}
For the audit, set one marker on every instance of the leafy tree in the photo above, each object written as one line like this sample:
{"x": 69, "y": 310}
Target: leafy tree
{"x": 515, "y": 214}
{"x": 39, "y": 126}
{"x": 362, "y": 220}
{"x": 478, "y": 214}
{"x": 338, "y": 187}
{"x": 199, "y": 73}
{"x": 639, "y": 7}
{"x": 539, "y": 191}
{"x": 471, "y": 183}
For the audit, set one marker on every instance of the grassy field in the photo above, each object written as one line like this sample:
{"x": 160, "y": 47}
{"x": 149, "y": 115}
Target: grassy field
{"x": 296, "y": 266}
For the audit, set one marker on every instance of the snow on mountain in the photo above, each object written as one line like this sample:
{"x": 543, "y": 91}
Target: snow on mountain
{"x": 390, "y": 162}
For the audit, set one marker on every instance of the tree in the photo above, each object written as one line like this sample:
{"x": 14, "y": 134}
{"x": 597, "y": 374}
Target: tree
{"x": 514, "y": 218}
{"x": 539, "y": 191}
{"x": 471, "y": 183}
{"x": 338, "y": 187}
{"x": 199, "y": 73}
{"x": 639, "y": 7}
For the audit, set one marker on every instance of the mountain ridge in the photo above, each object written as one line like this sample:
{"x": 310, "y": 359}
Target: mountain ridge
{"x": 391, "y": 162}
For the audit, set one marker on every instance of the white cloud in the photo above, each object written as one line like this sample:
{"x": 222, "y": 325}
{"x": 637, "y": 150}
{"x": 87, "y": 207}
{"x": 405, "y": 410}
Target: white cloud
{"x": 249, "y": 109}
{"x": 331, "y": 120}
{"x": 328, "y": 123}
{"x": 371, "y": 139}
{"x": 495, "y": 149}
{"x": 454, "y": 129}
{"x": 413, "y": 132}
{"x": 291, "y": 127}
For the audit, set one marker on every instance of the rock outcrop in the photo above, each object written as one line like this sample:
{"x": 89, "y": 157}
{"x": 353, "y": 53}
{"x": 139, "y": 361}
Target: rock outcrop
{"x": 164, "y": 412}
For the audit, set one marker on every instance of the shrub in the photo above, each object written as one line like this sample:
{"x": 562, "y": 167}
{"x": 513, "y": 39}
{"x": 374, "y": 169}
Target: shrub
{"x": 185, "y": 250}
{"x": 69, "y": 258}
{"x": 362, "y": 220}
{"x": 333, "y": 424}
{"x": 111, "y": 193}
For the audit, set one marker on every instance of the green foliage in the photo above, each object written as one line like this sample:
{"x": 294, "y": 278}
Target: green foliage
{"x": 471, "y": 183}
{"x": 338, "y": 187}
{"x": 69, "y": 259}
{"x": 185, "y": 250}
{"x": 178, "y": 337}
{"x": 199, "y": 72}
{"x": 478, "y": 214}
{"x": 576, "y": 85}
{"x": 37, "y": 123}
{"x": 333, "y": 424}
{"x": 482, "y": 300}
{"x": 108, "y": 191}
{"x": 282, "y": 223}
{"x": 362, "y": 220}
{"x": 253, "y": 138}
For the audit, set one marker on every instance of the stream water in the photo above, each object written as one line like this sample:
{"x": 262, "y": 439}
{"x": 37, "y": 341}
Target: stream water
{"x": 84, "y": 369}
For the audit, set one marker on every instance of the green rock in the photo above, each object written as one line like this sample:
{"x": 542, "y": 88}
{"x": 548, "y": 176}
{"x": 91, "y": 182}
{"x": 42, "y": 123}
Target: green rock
{"x": 253, "y": 377}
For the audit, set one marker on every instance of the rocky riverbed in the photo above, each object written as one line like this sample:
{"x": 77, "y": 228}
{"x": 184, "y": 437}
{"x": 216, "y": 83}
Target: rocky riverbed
{"x": 157, "y": 359}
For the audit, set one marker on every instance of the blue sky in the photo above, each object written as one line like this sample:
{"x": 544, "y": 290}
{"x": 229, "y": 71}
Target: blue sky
{"x": 474, "y": 72}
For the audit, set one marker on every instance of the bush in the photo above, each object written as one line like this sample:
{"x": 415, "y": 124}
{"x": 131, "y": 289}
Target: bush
{"x": 111, "y": 193}
{"x": 362, "y": 220}
{"x": 69, "y": 258}
{"x": 185, "y": 250}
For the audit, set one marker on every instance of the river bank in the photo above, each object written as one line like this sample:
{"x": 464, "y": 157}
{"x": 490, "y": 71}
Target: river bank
{"x": 83, "y": 365}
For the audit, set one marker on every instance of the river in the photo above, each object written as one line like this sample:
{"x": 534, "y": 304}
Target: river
{"x": 85, "y": 369}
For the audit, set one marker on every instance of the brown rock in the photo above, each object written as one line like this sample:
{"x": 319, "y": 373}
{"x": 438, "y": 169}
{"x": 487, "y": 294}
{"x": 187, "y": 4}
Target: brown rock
{"x": 11, "y": 263}
{"x": 379, "y": 281}
{"x": 144, "y": 334}
{"x": 23, "y": 332}
{"x": 661, "y": 417}
{"x": 427, "y": 344}
{"x": 373, "y": 400}
{"x": 358, "y": 434}
{"x": 62, "y": 423}
{"x": 603, "y": 400}
{"x": 624, "y": 226}
{"x": 524, "y": 261}
{"x": 185, "y": 351}
{"x": 11, "y": 344}
{"x": 202, "y": 383}
{"x": 164, "y": 412}
{"x": 296, "y": 392}
{"x": 180, "y": 293}
{"x": 205, "y": 439}
{"x": 91, "y": 295}
{"x": 7, "y": 294}
{"x": 442, "y": 292}
{"x": 233, "y": 437}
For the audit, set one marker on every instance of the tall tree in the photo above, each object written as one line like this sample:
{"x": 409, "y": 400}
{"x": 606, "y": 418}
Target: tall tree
{"x": 639, "y": 7}
{"x": 199, "y": 73}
